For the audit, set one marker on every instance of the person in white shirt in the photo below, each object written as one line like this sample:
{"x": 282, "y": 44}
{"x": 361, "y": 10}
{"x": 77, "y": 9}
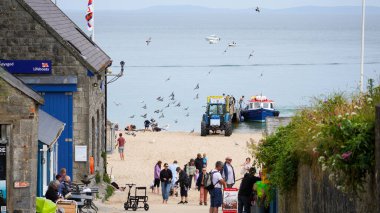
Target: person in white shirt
{"x": 228, "y": 173}
{"x": 216, "y": 194}
{"x": 173, "y": 168}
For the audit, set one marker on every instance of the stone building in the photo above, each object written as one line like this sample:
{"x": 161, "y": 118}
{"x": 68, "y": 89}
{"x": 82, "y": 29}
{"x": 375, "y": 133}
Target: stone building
{"x": 18, "y": 144}
{"x": 74, "y": 89}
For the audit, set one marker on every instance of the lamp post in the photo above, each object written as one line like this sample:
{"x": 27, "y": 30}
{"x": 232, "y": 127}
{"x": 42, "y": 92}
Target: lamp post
{"x": 362, "y": 51}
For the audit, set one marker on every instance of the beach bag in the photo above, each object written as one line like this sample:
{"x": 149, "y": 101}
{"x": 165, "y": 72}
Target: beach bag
{"x": 208, "y": 184}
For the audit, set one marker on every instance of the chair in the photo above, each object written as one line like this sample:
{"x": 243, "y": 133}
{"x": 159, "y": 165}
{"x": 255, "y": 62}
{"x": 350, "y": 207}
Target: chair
{"x": 70, "y": 206}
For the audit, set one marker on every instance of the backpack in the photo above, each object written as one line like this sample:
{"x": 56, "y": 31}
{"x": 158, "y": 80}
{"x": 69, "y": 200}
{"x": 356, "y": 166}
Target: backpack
{"x": 208, "y": 184}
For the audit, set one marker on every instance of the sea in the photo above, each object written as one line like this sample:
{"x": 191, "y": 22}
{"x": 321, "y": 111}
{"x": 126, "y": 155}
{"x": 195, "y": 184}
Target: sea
{"x": 298, "y": 55}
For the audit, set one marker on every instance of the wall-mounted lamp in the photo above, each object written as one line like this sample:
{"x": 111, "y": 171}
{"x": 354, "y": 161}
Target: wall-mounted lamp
{"x": 117, "y": 76}
{"x": 95, "y": 84}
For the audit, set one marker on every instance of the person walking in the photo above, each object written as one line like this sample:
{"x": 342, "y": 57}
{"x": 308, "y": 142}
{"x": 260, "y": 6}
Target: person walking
{"x": 173, "y": 168}
{"x": 228, "y": 173}
{"x": 204, "y": 160}
{"x": 120, "y": 143}
{"x": 216, "y": 195}
{"x": 246, "y": 166}
{"x": 199, "y": 162}
{"x": 183, "y": 181}
{"x": 201, "y": 188}
{"x": 157, "y": 172}
{"x": 166, "y": 177}
{"x": 246, "y": 190}
{"x": 190, "y": 171}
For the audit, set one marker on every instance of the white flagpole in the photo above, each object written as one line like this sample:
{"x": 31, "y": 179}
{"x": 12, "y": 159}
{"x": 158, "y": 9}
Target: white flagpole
{"x": 362, "y": 53}
{"x": 93, "y": 21}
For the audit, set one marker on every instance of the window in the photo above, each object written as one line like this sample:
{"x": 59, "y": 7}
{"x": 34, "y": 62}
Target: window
{"x": 266, "y": 105}
{"x": 257, "y": 105}
{"x": 216, "y": 109}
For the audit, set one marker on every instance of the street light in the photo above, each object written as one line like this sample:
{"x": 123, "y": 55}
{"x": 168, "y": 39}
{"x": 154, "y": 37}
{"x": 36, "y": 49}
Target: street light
{"x": 362, "y": 53}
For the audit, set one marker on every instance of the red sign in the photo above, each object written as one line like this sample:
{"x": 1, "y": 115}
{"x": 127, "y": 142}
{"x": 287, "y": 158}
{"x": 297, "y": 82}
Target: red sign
{"x": 230, "y": 200}
{"x": 21, "y": 184}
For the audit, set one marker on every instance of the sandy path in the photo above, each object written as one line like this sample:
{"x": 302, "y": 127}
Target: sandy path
{"x": 142, "y": 153}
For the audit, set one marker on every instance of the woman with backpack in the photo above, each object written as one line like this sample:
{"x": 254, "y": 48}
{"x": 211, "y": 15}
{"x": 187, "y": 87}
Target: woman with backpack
{"x": 183, "y": 181}
{"x": 201, "y": 188}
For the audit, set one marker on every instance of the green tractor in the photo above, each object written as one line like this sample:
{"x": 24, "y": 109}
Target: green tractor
{"x": 217, "y": 116}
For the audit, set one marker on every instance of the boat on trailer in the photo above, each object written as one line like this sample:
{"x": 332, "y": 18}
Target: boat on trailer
{"x": 258, "y": 108}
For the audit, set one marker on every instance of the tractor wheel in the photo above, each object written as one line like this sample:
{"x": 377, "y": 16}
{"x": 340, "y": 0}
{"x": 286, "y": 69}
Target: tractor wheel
{"x": 203, "y": 129}
{"x": 228, "y": 129}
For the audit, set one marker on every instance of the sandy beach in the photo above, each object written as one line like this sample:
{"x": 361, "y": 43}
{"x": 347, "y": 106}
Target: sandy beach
{"x": 143, "y": 151}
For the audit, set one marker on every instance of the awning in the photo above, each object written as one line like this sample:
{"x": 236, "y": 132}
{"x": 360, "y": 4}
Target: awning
{"x": 49, "y": 128}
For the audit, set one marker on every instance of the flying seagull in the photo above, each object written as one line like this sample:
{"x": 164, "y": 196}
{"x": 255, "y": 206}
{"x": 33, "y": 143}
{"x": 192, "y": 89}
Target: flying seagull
{"x": 232, "y": 44}
{"x": 257, "y": 9}
{"x": 168, "y": 79}
{"x": 187, "y": 115}
{"x": 196, "y": 87}
{"x": 132, "y": 116}
{"x": 148, "y": 41}
{"x": 209, "y": 72}
{"x": 117, "y": 104}
{"x": 162, "y": 115}
{"x": 251, "y": 54}
{"x": 160, "y": 99}
{"x": 157, "y": 111}
{"x": 144, "y": 116}
{"x": 144, "y": 107}
{"x": 197, "y": 96}
{"x": 186, "y": 108}
{"x": 178, "y": 105}
{"x": 192, "y": 131}
{"x": 175, "y": 121}
{"x": 167, "y": 106}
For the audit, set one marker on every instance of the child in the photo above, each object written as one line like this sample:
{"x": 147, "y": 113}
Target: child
{"x": 196, "y": 178}
{"x": 204, "y": 160}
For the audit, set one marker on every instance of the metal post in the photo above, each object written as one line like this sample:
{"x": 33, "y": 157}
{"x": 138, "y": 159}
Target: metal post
{"x": 93, "y": 22}
{"x": 362, "y": 53}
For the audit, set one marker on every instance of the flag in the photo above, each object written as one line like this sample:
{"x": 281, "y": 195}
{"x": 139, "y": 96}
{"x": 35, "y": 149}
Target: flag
{"x": 89, "y": 16}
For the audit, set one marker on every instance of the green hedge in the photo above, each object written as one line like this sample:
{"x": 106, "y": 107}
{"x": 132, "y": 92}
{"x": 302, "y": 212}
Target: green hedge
{"x": 336, "y": 133}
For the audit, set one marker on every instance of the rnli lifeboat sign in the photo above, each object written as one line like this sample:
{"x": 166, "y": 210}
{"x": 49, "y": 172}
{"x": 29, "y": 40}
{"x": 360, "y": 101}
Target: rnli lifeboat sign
{"x": 26, "y": 66}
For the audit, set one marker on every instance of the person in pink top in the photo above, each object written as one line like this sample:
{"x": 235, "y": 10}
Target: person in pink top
{"x": 120, "y": 143}
{"x": 157, "y": 171}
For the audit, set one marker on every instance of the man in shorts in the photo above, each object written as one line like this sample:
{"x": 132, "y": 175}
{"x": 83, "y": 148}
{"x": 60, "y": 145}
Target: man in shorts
{"x": 216, "y": 194}
{"x": 120, "y": 143}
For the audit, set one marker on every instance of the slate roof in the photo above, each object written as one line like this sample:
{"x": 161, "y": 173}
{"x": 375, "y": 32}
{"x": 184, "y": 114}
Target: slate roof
{"x": 18, "y": 84}
{"x": 71, "y": 35}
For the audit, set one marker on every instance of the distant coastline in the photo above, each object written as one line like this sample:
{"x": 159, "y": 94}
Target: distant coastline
{"x": 354, "y": 10}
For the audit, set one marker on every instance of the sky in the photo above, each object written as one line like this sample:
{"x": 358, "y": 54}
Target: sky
{"x": 231, "y": 4}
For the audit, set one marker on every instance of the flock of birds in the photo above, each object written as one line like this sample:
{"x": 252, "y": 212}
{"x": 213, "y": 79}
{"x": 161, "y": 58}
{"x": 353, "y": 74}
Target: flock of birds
{"x": 172, "y": 102}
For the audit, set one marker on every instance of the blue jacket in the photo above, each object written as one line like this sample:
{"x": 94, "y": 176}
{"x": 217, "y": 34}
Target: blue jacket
{"x": 225, "y": 172}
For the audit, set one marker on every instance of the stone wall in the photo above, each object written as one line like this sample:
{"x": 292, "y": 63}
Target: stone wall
{"x": 23, "y": 37}
{"x": 20, "y": 112}
{"x": 314, "y": 192}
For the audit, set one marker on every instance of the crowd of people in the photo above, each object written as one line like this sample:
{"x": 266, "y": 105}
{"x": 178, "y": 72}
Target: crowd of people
{"x": 195, "y": 175}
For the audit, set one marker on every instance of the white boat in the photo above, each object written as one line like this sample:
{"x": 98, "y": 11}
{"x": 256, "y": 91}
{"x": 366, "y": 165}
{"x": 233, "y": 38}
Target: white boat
{"x": 212, "y": 39}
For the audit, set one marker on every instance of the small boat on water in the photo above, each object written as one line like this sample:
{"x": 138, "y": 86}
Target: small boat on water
{"x": 258, "y": 108}
{"x": 212, "y": 39}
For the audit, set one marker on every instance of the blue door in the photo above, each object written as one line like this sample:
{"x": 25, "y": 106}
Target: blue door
{"x": 60, "y": 105}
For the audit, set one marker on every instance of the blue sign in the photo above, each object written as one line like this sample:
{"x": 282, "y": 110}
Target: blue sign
{"x": 26, "y": 66}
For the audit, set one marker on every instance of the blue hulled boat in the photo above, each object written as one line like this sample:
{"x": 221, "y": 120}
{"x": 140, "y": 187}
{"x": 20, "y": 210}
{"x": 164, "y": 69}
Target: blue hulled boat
{"x": 259, "y": 107}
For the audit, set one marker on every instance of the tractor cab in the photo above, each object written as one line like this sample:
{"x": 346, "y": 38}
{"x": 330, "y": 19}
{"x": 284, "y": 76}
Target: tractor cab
{"x": 216, "y": 117}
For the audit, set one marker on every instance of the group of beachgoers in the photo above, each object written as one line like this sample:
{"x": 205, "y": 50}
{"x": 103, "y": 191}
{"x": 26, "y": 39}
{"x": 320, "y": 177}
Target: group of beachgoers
{"x": 171, "y": 177}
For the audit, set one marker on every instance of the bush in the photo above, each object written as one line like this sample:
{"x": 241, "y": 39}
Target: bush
{"x": 109, "y": 192}
{"x": 106, "y": 178}
{"x": 336, "y": 132}
{"x": 97, "y": 177}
